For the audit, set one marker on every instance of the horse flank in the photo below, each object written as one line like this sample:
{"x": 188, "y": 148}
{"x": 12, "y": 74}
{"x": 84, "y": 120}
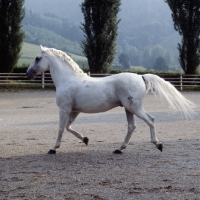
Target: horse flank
{"x": 63, "y": 56}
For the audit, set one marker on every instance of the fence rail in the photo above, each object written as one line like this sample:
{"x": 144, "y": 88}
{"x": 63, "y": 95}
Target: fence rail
{"x": 179, "y": 81}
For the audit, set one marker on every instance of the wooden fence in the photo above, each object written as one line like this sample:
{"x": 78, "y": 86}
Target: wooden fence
{"x": 181, "y": 81}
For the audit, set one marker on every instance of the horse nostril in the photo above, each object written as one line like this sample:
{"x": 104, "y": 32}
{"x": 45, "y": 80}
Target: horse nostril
{"x": 28, "y": 74}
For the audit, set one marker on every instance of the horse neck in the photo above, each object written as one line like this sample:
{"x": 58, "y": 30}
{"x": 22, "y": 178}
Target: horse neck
{"x": 60, "y": 71}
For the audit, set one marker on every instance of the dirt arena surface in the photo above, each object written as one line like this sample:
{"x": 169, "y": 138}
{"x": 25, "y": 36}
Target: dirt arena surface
{"x": 28, "y": 128}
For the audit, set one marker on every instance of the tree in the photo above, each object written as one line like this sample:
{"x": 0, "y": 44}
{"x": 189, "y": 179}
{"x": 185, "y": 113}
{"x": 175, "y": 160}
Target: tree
{"x": 124, "y": 60}
{"x": 11, "y": 35}
{"x": 161, "y": 64}
{"x": 100, "y": 32}
{"x": 134, "y": 55}
{"x": 186, "y": 17}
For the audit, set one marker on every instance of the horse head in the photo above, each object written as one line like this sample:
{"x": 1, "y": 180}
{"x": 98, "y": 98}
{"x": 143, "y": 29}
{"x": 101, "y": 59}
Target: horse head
{"x": 40, "y": 64}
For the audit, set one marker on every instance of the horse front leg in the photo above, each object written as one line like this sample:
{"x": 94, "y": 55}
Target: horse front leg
{"x": 131, "y": 128}
{"x": 72, "y": 117}
{"x": 64, "y": 117}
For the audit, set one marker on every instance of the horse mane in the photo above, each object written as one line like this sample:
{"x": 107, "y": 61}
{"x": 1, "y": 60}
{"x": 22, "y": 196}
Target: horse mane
{"x": 63, "y": 56}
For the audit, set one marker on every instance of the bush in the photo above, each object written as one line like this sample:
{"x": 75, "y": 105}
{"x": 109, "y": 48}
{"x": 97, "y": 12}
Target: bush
{"x": 21, "y": 69}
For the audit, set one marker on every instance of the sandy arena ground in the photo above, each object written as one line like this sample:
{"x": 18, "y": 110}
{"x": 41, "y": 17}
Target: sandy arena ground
{"x": 28, "y": 128}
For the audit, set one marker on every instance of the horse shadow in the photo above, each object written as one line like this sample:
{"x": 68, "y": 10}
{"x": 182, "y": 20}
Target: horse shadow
{"x": 70, "y": 173}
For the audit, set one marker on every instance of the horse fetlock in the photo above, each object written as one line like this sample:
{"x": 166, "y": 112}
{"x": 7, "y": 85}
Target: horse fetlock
{"x": 155, "y": 141}
{"x": 56, "y": 147}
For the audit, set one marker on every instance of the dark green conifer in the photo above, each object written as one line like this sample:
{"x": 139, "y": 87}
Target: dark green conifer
{"x": 100, "y": 31}
{"x": 186, "y": 17}
{"x": 11, "y": 35}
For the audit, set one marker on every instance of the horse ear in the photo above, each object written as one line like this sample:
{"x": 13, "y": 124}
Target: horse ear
{"x": 41, "y": 47}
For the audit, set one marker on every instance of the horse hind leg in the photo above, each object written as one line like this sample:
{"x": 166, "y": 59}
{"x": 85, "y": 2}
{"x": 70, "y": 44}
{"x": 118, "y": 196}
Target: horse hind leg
{"x": 150, "y": 121}
{"x": 72, "y": 117}
{"x": 131, "y": 128}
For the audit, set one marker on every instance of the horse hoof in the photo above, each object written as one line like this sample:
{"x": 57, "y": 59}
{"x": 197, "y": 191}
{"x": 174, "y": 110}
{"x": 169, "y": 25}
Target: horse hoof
{"x": 51, "y": 151}
{"x": 160, "y": 146}
{"x": 85, "y": 140}
{"x": 117, "y": 151}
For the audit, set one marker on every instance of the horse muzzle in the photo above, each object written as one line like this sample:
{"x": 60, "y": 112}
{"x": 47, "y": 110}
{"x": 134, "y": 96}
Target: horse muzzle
{"x": 30, "y": 73}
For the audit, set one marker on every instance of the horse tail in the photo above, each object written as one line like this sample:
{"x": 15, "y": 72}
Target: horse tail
{"x": 165, "y": 89}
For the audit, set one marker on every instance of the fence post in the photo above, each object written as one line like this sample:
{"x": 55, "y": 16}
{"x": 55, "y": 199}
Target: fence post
{"x": 181, "y": 81}
{"x": 42, "y": 80}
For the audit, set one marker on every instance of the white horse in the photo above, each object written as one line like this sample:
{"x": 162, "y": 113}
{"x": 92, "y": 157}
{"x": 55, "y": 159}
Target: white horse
{"x": 76, "y": 92}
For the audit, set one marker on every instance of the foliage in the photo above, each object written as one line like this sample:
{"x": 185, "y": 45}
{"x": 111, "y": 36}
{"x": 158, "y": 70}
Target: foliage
{"x": 116, "y": 71}
{"x": 100, "y": 29}
{"x": 49, "y": 30}
{"x": 124, "y": 60}
{"x": 145, "y": 24}
{"x": 186, "y": 17}
{"x": 48, "y": 38}
{"x": 11, "y": 35}
{"x": 60, "y": 26}
{"x": 161, "y": 64}
{"x": 21, "y": 69}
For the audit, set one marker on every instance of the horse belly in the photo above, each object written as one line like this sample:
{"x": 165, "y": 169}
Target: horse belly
{"x": 95, "y": 105}
{"x": 97, "y": 109}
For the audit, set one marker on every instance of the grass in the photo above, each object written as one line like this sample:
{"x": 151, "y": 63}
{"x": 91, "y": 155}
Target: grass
{"x": 30, "y": 51}
{"x": 16, "y": 86}
{"x": 138, "y": 68}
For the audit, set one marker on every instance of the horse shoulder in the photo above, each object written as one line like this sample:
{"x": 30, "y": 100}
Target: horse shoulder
{"x": 63, "y": 97}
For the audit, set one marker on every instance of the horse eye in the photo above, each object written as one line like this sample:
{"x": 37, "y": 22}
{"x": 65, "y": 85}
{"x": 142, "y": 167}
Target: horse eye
{"x": 38, "y": 58}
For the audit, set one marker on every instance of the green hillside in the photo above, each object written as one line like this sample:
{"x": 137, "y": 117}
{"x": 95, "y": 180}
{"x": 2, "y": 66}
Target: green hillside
{"x": 30, "y": 51}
